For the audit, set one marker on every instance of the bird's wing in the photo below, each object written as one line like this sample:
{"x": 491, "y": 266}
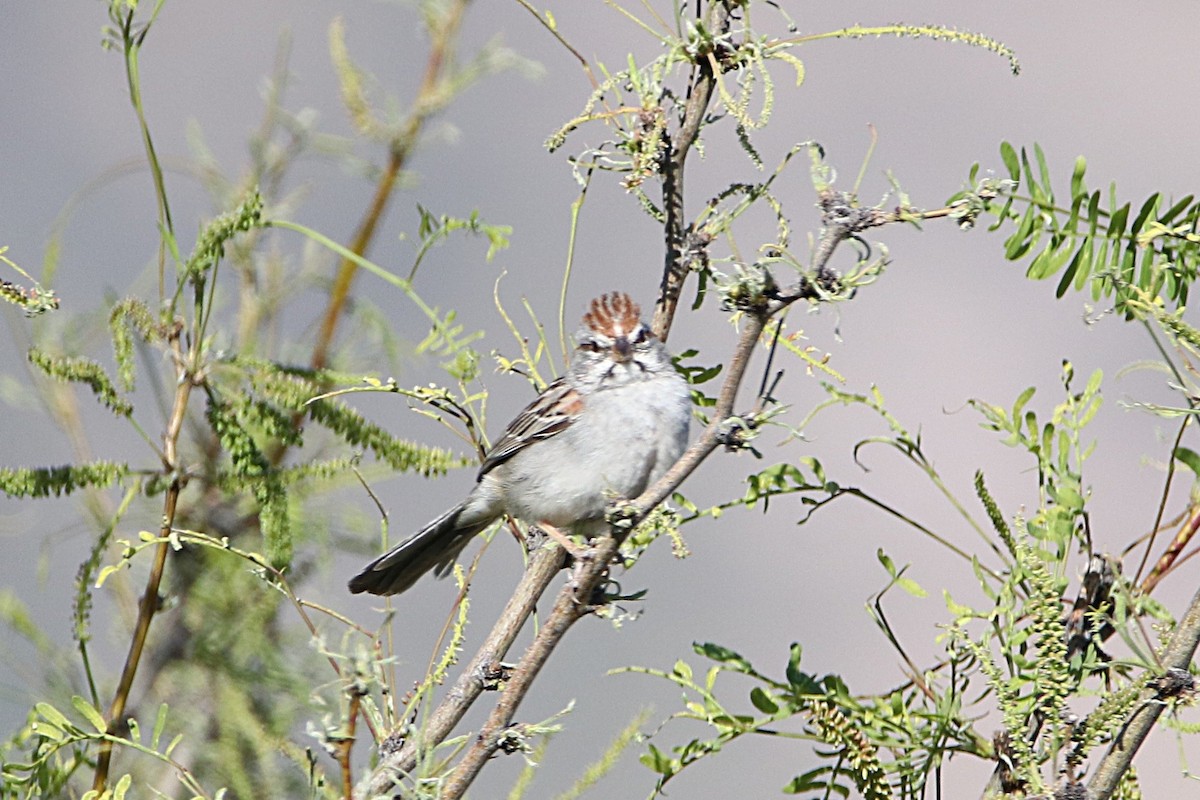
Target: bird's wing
{"x": 551, "y": 413}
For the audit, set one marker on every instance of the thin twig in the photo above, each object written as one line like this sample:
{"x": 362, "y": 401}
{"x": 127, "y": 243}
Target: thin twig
{"x": 574, "y": 601}
{"x": 150, "y": 602}
{"x": 1167, "y": 561}
{"x": 363, "y": 237}
{"x": 675, "y": 271}
{"x": 543, "y": 567}
{"x": 1167, "y": 481}
{"x": 553, "y": 31}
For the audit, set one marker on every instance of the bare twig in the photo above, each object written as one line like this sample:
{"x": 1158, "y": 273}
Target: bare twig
{"x": 1167, "y": 561}
{"x": 574, "y": 601}
{"x": 553, "y": 31}
{"x": 348, "y": 269}
{"x": 675, "y": 270}
{"x": 567, "y": 610}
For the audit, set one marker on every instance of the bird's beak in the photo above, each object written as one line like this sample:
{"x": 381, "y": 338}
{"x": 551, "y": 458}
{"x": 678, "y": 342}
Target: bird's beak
{"x": 622, "y": 350}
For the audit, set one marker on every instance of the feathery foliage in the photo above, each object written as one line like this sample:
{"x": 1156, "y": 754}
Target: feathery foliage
{"x": 1095, "y": 241}
{"x": 57, "y": 481}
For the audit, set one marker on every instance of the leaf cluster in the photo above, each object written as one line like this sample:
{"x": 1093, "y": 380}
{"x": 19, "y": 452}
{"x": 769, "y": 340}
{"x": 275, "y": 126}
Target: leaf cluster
{"x": 878, "y": 746}
{"x": 1092, "y": 240}
{"x": 58, "y": 743}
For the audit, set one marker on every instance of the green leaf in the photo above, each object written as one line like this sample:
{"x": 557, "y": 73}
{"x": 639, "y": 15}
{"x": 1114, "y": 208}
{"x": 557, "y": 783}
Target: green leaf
{"x": 1189, "y": 458}
{"x": 1116, "y": 225}
{"x": 109, "y": 570}
{"x": 1022, "y": 400}
{"x": 659, "y": 762}
{"x": 724, "y": 655}
{"x": 1148, "y": 207}
{"x": 49, "y": 730}
{"x": 801, "y": 682}
{"x": 763, "y": 701}
{"x": 958, "y": 610}
{"x": 1175, "y": 210}
{"x": 1043, "y": 169}
{"x": 54, "y": 716}
{"x": 89, "y": 711}
{"x": 911, "y": 586}
{"x": 1011, "y": 163}
{"x": 1072, "y": 271}
{"x": 1051, "y": 260}
{"x": 815, "y": 781}
{"x": 159, "y": 723}
{"x": 1077, "y": 187}
{"x": 1020, "y": 242}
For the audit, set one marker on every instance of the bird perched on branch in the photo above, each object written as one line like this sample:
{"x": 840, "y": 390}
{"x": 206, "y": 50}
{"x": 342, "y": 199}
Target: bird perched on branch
{"x": 609, "y": 428}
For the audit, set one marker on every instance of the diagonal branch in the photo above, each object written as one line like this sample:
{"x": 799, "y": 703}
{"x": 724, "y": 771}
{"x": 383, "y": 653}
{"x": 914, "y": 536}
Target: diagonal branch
{"x": 543, "y": 566}
{"x": 1178, "y": 656}
{"x": 150, "y": 601}
{"x": 575, "y": 600}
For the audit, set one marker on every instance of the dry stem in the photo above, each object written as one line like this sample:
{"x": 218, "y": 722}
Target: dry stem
{"x": 150, "y": 601}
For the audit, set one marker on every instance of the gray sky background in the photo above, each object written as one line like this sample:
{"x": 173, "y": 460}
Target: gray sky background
{"x": 949, "y": 321}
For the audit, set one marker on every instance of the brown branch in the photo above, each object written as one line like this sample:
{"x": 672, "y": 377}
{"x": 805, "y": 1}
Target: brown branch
{"x": 358, "y": 245}
{"x": 675, "y": 269}
{"x": 346, "y": 745}
{"x": 553, "y": 31}
{"x": 150, "y": 602}
{"x": 1178, "y": 656}
{"x": 1166, "y": 562}
{"x": 1166, "y": 492}
{"x": 574, "y": 601}
{"x": 543, "y": 566}
{"x": 430, "y": 99}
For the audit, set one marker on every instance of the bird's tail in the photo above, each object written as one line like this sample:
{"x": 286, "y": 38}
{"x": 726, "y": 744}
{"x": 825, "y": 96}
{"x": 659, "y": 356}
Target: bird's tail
{"x": 436, "y": 546}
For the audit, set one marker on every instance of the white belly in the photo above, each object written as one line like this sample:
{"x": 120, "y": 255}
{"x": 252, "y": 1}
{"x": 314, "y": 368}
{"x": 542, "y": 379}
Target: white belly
{"x": 626, "y": 439}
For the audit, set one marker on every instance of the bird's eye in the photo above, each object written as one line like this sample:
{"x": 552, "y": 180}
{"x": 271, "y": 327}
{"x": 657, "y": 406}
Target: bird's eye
{"x": 640, "y": 336}
{"x": 589, "y": 345}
